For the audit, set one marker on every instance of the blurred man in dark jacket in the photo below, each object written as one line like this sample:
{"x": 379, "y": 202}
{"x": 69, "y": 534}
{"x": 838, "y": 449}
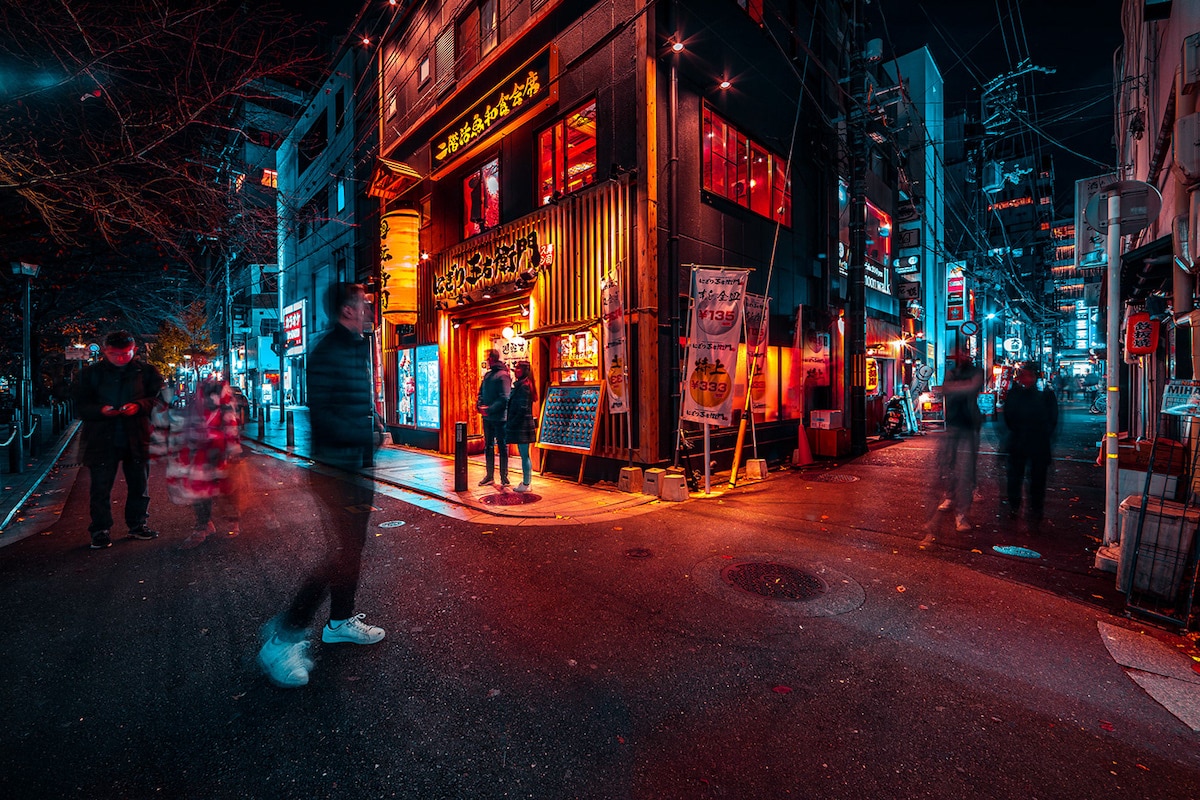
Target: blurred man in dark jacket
{"x": 493, "y": 405}
{"x": 114, "y": 399}
{"x": 1031, "y": 415}
{"x": 342, "y": 415}
{"x": 959, "y": 450}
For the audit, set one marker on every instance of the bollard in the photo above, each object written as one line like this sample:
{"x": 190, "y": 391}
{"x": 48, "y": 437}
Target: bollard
{"x": 55, "y": 426}
{"x": 460, "y": 456}
{"x": 291, "y": 431}
{"x": 16, "y": 450}
{"x": 35, "y": 435}
{"x": 262, "y": 425}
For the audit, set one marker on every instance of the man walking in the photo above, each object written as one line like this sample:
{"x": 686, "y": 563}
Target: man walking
{"x": 960, "y": 448}
{"x": 1032, "y": 417}
{"x": 342, "y": 416}
{"x": 114, "y": 399}
{"x": 493, "y": 405}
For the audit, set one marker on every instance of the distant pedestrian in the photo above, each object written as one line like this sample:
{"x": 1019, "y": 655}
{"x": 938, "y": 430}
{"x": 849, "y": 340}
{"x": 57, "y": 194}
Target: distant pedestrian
{"x": 114, "y": 399}
{"x": 344, "y": 424}
{"x": 1032, "y": 417}
{"x": 521, "y": 426}
{"x": 492, "y": 403}
{"x": 960, "y": 448}
{"x": 203, "y": 460}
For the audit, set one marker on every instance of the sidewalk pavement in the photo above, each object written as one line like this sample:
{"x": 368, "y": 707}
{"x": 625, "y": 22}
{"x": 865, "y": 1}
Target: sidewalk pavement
{"x": 19, "y": 487}
{"x": 426, "y": 479}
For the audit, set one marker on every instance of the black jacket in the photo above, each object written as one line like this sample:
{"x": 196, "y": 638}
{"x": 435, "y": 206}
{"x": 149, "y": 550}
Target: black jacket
{"x": 521, "y": 427}
{"x": 1031, "y": 417}
{"x": 341, "y": 407}
{"x": 105, "y": 384}
{"x": 493, "y": 392}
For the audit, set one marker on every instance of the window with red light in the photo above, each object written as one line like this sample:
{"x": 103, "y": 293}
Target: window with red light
{"x": 481, "y": 199}
{"x": 567, "y": 154}
{"x": 743, "y": 171}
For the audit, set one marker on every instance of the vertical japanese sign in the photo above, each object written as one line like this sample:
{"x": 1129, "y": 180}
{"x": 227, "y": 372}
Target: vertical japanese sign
{"x": 714, "y": 331}
{"x": 955, "y": 292}
{"x": 1089, "y": 242}
{"x": 756, "y": 350}
{"x": 614, "y": 367}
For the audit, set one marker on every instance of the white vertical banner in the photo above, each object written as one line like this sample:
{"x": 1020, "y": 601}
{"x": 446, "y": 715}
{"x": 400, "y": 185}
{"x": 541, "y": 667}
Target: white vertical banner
{"x": 714, "y": 332}
{"x": 756, "y": 350}
{"x": 615, "y": 367}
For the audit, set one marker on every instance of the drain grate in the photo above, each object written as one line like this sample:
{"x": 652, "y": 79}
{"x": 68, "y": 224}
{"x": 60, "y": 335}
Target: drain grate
{"x": 834, "y": 477}
{"x": 510, "y": 498}
{"x": 776, "y": 581}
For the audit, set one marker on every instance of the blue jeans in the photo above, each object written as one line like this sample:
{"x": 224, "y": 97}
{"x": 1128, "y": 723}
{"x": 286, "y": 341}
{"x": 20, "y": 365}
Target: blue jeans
{"x": 526, "y": 463}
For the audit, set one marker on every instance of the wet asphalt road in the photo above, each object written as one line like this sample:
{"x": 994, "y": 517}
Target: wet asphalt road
{"x": 542, "y": 662}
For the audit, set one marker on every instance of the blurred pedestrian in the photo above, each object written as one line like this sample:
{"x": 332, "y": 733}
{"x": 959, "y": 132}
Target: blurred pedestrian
{"x": 344, "y": 424}
{"x": 1031, "y": 415}
{"x": 521, "y": 427}
{"x": 203, "y": 464}
{"x": 960, "y": 448}
{"x": 493, "y": 404}
{"x": 114, "y": 399}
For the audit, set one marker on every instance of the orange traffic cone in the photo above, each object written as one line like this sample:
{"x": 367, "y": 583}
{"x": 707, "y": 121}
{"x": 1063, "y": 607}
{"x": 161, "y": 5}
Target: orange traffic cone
{"x": 803, "y": 455}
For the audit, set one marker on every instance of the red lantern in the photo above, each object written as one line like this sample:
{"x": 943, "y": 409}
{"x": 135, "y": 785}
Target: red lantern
{"x": 1141, "y": 334}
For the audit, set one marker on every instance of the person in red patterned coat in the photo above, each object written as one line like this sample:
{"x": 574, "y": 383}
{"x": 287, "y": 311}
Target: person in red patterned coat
{"x": 203, "y": 468}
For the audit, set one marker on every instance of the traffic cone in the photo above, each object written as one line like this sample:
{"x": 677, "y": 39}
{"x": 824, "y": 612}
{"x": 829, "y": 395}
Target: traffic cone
{"x": 803, "y": 455}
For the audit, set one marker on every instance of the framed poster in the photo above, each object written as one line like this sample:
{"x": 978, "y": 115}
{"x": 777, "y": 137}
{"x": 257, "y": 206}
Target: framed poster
{"x": 428, "y": 387}
{"x": 569, "y": 416}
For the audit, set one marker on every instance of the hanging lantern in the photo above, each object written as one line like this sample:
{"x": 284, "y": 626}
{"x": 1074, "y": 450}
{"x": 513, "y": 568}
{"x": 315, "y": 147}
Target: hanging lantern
{"x": 1141, "y": 334}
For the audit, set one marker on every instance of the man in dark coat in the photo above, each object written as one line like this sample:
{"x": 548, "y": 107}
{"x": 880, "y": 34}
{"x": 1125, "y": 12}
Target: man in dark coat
{"x": 342, "y": 415}
{"x": 959, "y": 450}
{"x": 114, "y": 399}
{"x": 1031, "y": 415}
{"x": 493, "y": 405}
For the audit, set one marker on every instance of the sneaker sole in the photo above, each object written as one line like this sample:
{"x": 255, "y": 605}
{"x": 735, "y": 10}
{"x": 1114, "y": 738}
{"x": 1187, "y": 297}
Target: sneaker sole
{"x": 275, "y": 681}
{"x": 337, "y": 639}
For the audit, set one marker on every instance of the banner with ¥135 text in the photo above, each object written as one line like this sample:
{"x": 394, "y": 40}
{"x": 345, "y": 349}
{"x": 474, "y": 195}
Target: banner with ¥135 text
{"x": 614, "y": 370}
{"x": 715, "y": 328}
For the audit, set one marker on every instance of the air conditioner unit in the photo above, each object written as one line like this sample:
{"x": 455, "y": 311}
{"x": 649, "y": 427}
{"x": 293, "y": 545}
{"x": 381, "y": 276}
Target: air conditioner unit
{"x": 1187, "y": 146}
{"x": 1190, "y": 61}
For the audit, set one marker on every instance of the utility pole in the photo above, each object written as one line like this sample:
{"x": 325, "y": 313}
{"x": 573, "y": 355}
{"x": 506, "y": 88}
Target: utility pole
{"x": 855, "y": 342}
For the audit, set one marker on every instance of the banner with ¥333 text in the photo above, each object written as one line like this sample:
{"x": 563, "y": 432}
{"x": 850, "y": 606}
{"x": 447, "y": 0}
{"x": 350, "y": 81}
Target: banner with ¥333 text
{"x": 715, "y": 328}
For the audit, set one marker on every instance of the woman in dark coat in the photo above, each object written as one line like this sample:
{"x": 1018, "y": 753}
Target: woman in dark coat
{"x": 521, "y": 427}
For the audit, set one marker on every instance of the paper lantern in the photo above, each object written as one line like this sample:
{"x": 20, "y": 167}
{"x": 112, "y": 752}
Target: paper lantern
{"x": 1141, "y": 334}
{"x": 399, "y": 252}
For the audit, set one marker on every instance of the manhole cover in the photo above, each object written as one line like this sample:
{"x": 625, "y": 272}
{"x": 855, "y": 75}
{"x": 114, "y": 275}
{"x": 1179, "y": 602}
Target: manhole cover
{"x": 511, "y": 498}
{"x": 834, "y": 477}
{"x": 776, "y": 581}
{"x": 394, "y": 523}
{"x": 638, "y": 552}
{"x": 1015, "y": 550}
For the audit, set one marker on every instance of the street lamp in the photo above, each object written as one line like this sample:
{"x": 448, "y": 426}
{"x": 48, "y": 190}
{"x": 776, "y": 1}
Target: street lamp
{"x": 28, "y": 272}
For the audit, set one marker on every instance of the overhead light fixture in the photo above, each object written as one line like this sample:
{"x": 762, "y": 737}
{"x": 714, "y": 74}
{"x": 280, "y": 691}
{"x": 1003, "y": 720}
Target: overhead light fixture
{"x": 725, "y": 84}
{"x": 508, "y": 333}
{"x": 456, "y": 324}
{"x": 677, "y": 46}
{"x": 487, "y": 295}
{"x": 366, "y": 41}
{"x": 524, "y": 310}
{"x": 424, "y": 256}
{"x": 462, "y": 300}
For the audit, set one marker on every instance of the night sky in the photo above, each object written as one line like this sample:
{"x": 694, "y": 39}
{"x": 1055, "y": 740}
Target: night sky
{"x": 975, "y": 40}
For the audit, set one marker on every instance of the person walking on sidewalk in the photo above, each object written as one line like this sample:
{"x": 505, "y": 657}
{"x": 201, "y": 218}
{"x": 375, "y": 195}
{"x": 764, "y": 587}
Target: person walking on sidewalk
{"x": 114, "y": 399}
{"x": 1032, "y": 417}
{"x": 960, "y": 449}
{"x": 521, "y": 427}
{"x": 343, "y": 422}
{"x": 493, "y": 404}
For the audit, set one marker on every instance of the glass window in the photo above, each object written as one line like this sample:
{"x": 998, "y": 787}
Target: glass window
{"x": 567, "y": 154}
{"x": 743, "y": 171}
{"x": 428, "y": 387}
{"x": 481, "y": 199}
{"x": 575, "y": 358}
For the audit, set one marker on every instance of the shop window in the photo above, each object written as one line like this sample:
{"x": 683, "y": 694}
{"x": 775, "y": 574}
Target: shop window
{"x": 481, "y": 199}
{"x": 575, "y": 358}
{"x": 423, "y": 72}
{"x": 744, "y": 172}
{"x": 567, "y": 154}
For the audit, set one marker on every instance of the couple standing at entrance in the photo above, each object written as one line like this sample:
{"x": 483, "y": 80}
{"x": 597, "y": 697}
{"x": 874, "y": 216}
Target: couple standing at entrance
{"x": 507, "y": 409}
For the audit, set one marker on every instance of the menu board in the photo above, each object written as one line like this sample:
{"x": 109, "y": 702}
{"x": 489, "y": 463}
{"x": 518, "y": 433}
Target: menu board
{"x": 569, "y": 415}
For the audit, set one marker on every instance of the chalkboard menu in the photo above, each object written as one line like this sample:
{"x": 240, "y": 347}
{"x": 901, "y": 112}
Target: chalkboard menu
{"x": 569, "y": 415}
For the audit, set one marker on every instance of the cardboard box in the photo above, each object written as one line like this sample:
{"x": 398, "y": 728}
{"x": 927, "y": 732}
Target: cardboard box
{"x": 825, "y": 420}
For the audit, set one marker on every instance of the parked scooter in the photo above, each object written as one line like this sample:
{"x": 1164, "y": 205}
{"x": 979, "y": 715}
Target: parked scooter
{"x": 893, "y": 418}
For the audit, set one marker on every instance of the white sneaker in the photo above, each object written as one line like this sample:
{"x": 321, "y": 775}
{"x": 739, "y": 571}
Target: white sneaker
{"x": 286, "y": 663}
{"x": 352, "y": 631}
{"x": 522, "y": 487}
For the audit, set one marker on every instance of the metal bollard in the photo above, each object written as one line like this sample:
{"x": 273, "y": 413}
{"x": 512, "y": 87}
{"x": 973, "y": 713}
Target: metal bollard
{"x": 291, "y": 431}
{"x": 35, "y": 435}
{"x": 262, "y": 425}
{"x": 16, "y": 450}
{"x": 460, "y": 456}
